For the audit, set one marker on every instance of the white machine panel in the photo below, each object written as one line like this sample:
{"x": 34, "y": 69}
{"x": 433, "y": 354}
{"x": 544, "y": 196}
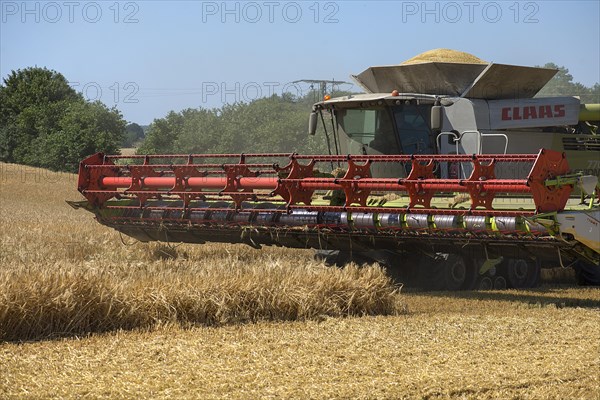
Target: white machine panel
{"x": 531, "y": 113}
{"x": 583, "y": 225}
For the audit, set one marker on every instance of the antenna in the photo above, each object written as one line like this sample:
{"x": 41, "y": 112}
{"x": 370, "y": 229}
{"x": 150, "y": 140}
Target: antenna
{"x": 323, "y": 84}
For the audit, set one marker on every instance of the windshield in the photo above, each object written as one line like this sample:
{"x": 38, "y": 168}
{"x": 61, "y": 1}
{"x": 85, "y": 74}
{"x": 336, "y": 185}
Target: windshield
{"x": 372, "y": 127}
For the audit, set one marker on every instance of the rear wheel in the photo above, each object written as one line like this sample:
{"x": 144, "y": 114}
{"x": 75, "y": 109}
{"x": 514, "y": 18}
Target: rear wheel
{"x": 587, "y": 274}
{"x": 449, "y": 272}
{"x": 499, "y": 283}
{"x": 461, "y": 274}
{"x": 329, "y": 257}
{"x": 455, "y": 272}
{"x": 522, "y": 273}
{"x": 340, "y": 258}
{"x": 346, "y": 257}
{"x": 485, "y": 283}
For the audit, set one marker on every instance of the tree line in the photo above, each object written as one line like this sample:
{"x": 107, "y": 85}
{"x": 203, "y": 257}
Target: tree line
{"x": 271, "y": 125}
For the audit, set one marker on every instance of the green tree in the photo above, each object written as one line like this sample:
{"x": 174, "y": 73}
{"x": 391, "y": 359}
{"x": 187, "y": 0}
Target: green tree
{"x": 31, "y": 103}
{"x": 562, "y": 85}
{"x": 133, "y": 134}
{"x": 85, "y": 128}
{"x": 202, "y": 132}
{"x": 163, "y": 133}
{"x": 595, "y": 94}
{"x": 274, "y": 124}
{"x": 44, "y": 122}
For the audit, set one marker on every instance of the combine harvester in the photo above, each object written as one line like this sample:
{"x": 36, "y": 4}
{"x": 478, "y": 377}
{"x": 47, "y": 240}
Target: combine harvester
{"x": 450, "y": 174}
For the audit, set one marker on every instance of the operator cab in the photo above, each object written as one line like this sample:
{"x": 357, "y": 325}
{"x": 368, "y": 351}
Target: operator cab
{"x": 386, "y": 125}
{"x": 400, "y": 129}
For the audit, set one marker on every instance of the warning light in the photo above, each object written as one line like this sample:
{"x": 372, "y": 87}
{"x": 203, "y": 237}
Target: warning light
{"x": 326, "y": 97}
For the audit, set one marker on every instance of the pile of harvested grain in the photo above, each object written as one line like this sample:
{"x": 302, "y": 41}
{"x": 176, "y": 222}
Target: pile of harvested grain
{"x": 444, "y": 55}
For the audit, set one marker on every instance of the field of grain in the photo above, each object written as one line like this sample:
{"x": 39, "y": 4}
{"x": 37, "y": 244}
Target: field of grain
{"x": 84, "y": 315}
{"x": 64, "y": 274}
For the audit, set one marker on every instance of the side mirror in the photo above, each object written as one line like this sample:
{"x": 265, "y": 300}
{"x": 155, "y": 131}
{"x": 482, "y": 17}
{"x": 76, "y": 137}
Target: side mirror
{"x": 436, "y": 118}
{"x": 312, "y": 123}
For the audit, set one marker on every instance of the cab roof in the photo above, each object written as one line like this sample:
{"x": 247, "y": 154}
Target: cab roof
{"x": 361, "y": 99}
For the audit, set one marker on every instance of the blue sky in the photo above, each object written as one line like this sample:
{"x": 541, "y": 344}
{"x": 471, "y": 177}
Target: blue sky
{"x": 150, "y": 57}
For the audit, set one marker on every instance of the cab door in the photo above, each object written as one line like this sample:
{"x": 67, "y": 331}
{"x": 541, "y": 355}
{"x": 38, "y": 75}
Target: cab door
{"x": 413, "y": 128}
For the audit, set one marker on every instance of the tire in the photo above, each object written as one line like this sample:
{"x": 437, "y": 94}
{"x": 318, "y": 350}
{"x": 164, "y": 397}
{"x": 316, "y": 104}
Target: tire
{"x": 485, "y": 283}
{"x": 499, "y": 283}
{"x": 459, "y": 274}
{"x": 587, "y": 274}
{"x": 521, "y": 273}
{"x": 455, "y": 272}
{"x": 470, "y": 282}
{"x": 449, "y": 273}
{"x": 340, "y": 258}
{"x": 329, "y": 257}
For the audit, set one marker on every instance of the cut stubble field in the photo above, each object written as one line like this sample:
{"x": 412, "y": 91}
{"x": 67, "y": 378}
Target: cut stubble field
{"x": 83, "y": 315}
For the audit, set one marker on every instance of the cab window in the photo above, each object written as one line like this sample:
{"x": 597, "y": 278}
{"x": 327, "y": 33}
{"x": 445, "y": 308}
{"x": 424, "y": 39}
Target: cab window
{"x": 414, "y": 132}
{"x": 371, "y": 127}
